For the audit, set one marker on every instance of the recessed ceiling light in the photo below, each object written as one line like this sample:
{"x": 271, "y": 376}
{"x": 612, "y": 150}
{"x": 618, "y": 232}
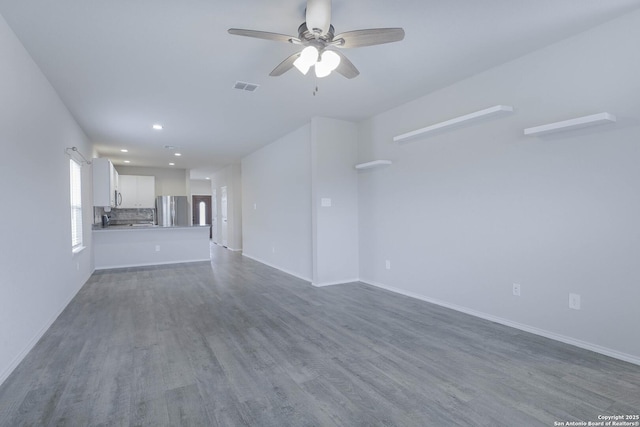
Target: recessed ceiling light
{"x": 207, "y": 178}
{"x": 172, "y": 164}
{"x": 124, "y": 150}
{"x": 157, "y": 126}
{"x": 177, "y": 154}
{"x": 127, "y": 161}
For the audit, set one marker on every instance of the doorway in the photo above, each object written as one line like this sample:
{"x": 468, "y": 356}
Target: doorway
{"x": 223, "y": 214}
{"x": 214, "y": 218}
{"x": 202, "y": 211}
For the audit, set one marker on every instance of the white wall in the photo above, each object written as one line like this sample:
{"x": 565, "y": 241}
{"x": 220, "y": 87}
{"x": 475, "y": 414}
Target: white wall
{"x": 464, "y": 214}
{"x": 230, "y": 177}
{"x": 334, "y": 152}
{"x": 285, "y": 224}
{"x": 38, "y": 273}
{"x": 276, "y": 200}
{"x": 200, "y": 187}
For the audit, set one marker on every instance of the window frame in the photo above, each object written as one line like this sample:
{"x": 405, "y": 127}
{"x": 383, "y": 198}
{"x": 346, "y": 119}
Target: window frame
{"x": 75, "y": 204}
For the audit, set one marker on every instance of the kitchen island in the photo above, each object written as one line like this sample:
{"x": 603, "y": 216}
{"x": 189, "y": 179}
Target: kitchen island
{"x": 131, "y": 246}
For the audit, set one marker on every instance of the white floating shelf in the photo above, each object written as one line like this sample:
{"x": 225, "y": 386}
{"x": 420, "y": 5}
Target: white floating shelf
{"x": 487, "y": 112}
{"x": 580, "y": 122}
{"x": 373, "y": 164}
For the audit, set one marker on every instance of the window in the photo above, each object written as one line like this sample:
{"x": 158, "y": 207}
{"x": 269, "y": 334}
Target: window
{"x": 76, "y": 205}
{"x": 203, "y": 216}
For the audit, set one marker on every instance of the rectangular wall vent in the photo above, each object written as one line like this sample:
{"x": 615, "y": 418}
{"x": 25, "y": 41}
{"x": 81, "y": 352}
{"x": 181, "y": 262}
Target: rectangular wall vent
{"x": 250, "y": 87}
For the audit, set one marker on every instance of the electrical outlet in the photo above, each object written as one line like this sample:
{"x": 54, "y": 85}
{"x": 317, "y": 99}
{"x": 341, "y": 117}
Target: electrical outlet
{"x": 273, "y": 249}
{"x": 78, "y": 266}
{"x": 574, "y": 301}
{"x": 516, "y": 289}
{"x": 157, "y": 248}
{"x": 255, "y": 206}
{"x": 387, "y": 264}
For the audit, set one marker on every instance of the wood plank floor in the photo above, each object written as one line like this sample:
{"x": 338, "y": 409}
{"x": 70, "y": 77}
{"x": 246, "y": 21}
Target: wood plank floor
{"x": 236, "y": 343}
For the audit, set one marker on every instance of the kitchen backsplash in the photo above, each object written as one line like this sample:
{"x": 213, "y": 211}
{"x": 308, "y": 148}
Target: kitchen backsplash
{"x": 125, "y": 216}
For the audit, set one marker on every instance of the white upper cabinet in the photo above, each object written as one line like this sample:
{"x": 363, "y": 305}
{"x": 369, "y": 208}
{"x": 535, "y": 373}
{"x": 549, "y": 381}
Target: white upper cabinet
{"x": 104, "y": 182}
{"x": 137, "y": 192}
{"x": 147, "y": 191}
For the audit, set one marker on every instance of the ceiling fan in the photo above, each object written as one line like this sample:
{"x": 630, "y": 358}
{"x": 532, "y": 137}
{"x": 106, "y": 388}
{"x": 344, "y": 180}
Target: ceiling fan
{"x": 321, "y": 44}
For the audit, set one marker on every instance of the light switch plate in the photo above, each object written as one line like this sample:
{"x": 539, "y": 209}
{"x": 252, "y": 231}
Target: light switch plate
{"x": 325, "y": 202}
{"x": 516, "y": 289}
{"x": 574, "y": 301}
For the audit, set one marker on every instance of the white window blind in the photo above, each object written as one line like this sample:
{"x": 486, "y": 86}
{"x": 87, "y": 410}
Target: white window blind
{"x": 76, "y": 204}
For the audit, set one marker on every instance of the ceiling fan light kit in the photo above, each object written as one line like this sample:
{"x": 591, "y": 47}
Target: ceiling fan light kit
{"x": 329, "y": 61}
{"x": 318, "y": 37}
{"x": 307, "y": 59}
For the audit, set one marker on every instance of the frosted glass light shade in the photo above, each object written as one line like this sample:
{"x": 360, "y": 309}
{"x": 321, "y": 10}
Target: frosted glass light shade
{"x": 307, "y": 59}
{"x": 322, "y": 70}
{"x": 331, "y": 58}
{"x": 301, "y": 66}
{"x": 329, "y": 62}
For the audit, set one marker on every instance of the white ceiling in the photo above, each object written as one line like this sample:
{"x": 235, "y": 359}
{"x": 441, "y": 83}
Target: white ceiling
{"x": 122, "y": 65}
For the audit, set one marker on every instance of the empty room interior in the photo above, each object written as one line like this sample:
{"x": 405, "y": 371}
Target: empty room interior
{"x": 320, "y": 213}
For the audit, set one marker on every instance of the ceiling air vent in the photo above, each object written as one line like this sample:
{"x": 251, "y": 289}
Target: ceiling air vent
{"x": 250, "y": 87}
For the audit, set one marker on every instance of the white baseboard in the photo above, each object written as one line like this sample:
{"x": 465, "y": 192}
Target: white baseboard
{"x": 306, "y": 279}
{"x": 526, "y": 328}
{"x": 226, "y": 247}
{"x": 34, "y": 340}
{"x": 341, "y": 282}
{"x": 186, "y": 261}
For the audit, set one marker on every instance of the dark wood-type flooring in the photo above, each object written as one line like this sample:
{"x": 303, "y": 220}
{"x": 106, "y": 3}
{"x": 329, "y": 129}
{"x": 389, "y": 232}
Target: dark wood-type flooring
{"x": 236, "y": 343}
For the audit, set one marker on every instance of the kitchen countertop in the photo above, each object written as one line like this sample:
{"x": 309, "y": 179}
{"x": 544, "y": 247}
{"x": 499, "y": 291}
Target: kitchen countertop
{"x": 144, "y": 227}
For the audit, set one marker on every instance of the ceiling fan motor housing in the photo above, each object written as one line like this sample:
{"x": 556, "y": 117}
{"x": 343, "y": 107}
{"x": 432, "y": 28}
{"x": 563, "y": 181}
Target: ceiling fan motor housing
{"x": 318, "y": 16}
{"x": 305, "y": 35}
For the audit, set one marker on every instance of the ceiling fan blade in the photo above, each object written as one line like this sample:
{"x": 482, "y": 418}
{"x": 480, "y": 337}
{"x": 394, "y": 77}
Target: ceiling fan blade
{"x": 285, "y": 65}
{"x": 346, "y": 68}
{"x": 263, "y": 35}
{"x": 370, "y": 37}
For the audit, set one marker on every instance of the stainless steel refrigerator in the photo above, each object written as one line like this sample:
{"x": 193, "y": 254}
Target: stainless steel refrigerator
{"x": 172, "y": 211}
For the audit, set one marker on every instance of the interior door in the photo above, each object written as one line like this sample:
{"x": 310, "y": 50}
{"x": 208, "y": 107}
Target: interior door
{"x": 223, "y": 214}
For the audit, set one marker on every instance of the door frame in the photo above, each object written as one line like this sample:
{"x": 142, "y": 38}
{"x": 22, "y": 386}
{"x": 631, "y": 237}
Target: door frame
{"x": 195, "y": 210}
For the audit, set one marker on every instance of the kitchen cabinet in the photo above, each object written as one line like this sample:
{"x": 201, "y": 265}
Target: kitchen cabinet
{"x": 105, "y": 183}
{"x": 113, "y": 179}
{"x": 137, "y": 192}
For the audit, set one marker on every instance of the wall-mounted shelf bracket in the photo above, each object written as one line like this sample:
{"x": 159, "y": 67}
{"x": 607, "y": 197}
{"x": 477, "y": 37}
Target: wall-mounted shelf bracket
{"x": 487, "y": 112}
{"x": 577, "y": 123}
{"x": 373, "y": 164}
